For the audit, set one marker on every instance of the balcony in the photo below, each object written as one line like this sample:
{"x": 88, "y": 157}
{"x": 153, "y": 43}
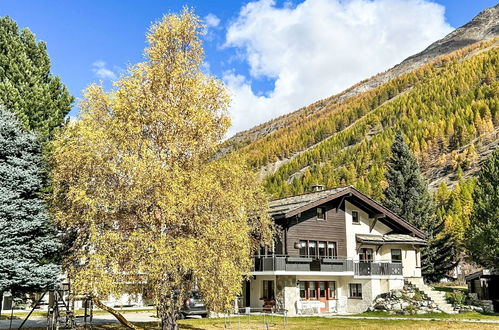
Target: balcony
{"x": 377, "y": 268}
{"x": 323, "y": 264}
{"x": 301, "y": 263}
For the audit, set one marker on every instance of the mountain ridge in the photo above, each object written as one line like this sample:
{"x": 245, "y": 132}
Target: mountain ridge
{"x": 483, "y": 27}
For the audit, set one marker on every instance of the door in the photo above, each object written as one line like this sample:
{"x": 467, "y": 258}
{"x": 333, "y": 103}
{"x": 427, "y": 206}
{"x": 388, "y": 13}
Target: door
{"x": 322, "y": 287}
{"x": 365, "y": 260}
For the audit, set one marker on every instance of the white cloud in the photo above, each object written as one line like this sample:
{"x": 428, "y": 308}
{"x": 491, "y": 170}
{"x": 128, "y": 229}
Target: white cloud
{"x": 99, "y": 68}
{"x": 212, "y": 20}
{"x": 320, "y": 47}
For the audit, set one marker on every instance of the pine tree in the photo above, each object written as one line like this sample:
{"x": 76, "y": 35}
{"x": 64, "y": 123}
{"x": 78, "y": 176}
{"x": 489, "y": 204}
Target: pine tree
{"x": 483, "y": 233}
{"x": 27, "y": 88}
{"x": 407, "y": 195}
{"x": 27, "y": 240}
{"x": 440, "y": 255}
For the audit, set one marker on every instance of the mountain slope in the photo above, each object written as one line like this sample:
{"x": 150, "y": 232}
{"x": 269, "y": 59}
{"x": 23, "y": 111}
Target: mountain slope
{"x": 484, "y": 26}
{"x": 446, "y": 106}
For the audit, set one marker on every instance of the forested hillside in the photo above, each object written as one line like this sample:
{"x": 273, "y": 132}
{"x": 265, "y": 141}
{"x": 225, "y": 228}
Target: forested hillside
{"x": 445, "y": 109}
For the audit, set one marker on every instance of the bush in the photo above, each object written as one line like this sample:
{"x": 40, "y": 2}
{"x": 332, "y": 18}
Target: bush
{"x": 411, "y": 309}
{"x": 456, "y": 297}
{"x": 417, "y": 297}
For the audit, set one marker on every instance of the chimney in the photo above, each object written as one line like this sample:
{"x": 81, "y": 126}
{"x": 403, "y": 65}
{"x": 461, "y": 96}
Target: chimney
{"x": 317, "y": 187}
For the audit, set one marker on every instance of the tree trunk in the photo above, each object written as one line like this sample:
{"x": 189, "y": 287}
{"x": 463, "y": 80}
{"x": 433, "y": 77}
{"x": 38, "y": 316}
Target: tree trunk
{"x": 169, "y": 321}
{"x": 168, "y": 318}
{"x": 116, "y": 314}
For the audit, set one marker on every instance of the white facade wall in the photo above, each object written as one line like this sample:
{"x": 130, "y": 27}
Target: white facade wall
{"x": 361, "y": 228}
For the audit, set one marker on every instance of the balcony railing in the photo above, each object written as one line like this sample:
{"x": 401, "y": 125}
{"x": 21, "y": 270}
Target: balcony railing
{"x": 323, "y": 264}
{"x": 378, "y": 268}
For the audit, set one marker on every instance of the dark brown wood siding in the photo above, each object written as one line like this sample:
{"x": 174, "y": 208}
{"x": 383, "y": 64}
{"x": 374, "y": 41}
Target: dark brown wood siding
{"x": 307, "y": 227}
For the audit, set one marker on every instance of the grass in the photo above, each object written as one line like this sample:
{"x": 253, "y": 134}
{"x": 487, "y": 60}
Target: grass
{"x": 464, "y": 289}
{"x": 318, "y": 323}
{"x": 20, "y": 315}
{"x": 467, "y": 315}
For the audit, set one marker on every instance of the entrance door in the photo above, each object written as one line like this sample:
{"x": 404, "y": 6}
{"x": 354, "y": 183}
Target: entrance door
{"x": 323, "y": 295}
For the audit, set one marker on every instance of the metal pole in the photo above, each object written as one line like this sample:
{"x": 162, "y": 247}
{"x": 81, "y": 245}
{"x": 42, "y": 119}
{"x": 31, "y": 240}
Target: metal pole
{"x": 85, "y": 302}
{"x": 11, "y": 313}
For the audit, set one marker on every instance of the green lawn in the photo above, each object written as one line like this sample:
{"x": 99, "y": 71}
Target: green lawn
{"x": 319, "y": 323}
{"x": 467, "y": 315}
{"x": 6, "y": 314}
{"x": 464, "y": 289}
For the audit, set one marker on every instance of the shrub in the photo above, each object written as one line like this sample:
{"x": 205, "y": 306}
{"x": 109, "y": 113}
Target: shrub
{"x": 417, "y": 297}
{"x": 456, "y": 297}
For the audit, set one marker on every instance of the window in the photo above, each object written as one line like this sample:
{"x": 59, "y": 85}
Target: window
{"x": 366, "y": 255}
{"x": 322, "y": 289}
{"x": 303, "y": 290}
{"x": 321, "y": 213}
{"x": 312, "y": 251}
{"x": 331, "y": 249}
{"x": 397, "y": 255}
{"x": 303, "y": 248}
{"x": 268, "y": 290}
{"x": 312, "y": 293}
{"x": 355, "y": 217}
{"x": 322, "y": 249}
{"x": 355, "y": 290}
{"x": 331, "y": 288}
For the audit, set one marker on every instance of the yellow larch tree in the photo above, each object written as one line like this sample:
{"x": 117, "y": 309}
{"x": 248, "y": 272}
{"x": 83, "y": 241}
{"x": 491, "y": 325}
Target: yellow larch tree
{"x": 134, "y": 182}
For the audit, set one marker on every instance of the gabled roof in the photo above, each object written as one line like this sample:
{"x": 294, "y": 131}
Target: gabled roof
{"x": 389, "y": 239}
{"x": 285, "y": 205}
{"x": 288, "y": 207}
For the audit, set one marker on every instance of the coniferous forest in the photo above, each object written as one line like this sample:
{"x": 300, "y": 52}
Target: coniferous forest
{"x": 445, "y": 109}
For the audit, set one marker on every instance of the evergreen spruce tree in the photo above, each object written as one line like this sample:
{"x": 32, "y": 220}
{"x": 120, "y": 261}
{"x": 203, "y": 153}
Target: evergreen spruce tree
{"x": 483, "y": 231}
{"x": 27, "y": 88}
{"x": 407, "y": 192}
{"x": 27, "y": 240}
{"x": 407, "y": 195}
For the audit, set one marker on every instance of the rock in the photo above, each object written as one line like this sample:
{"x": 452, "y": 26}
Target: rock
{"x": 391, "y": 313}
{"x": 404, "y": 305}
{"x": 410, "y": 295}
{"x": 398, "y": 294}
{"x": 478, "y": 309}
{"x": 397, "y": 307}
{"x": 436, "y": 311}
{"x": 421, "y": 312}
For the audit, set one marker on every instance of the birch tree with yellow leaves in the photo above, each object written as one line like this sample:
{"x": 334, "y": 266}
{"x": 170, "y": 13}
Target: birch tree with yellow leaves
{"x": 133, "y": 180}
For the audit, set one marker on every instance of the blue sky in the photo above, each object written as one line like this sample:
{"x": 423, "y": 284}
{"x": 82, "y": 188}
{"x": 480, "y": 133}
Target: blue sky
{"x": 93, "y": 40}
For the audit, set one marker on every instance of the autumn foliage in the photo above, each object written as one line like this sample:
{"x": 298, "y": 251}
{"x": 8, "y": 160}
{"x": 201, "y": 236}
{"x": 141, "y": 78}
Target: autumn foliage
{"x": 133, "y": 180}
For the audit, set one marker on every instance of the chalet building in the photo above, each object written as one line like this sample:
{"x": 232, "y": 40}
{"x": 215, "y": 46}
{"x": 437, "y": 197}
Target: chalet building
{"x": 336, "y": 251}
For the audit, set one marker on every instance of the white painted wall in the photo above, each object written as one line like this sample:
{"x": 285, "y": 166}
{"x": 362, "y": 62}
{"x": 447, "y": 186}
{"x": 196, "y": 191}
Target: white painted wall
{"x": 361, "y": 228}
{"x": 411, "y": 263}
